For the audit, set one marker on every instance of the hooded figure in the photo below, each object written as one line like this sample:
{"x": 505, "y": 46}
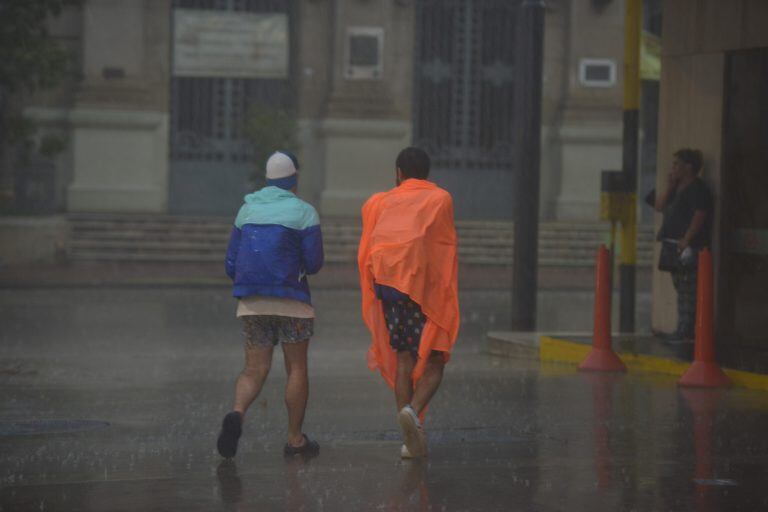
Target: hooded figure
{"x": 408, "y": 268}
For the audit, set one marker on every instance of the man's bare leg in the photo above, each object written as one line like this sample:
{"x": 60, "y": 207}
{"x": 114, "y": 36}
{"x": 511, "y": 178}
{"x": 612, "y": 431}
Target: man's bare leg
{"x": 296, "y": 389}
{"x": 429, "y": 382}
{"x": 404, "y": 379}
{"x": 413, "y": 434}
{"x": 258, "y": 360}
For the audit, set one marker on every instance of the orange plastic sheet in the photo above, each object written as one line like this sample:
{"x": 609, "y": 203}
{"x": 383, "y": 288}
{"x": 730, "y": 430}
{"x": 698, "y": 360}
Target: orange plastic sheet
{"x": 409, "y": 243}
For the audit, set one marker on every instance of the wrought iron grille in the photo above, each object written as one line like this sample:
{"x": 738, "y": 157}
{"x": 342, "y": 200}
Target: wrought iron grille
{"x": 207, "y": 115}
{"x": 465, "y": 82}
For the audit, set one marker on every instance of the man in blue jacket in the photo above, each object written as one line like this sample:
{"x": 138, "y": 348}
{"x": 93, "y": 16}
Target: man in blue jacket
{"x": 275, "y": 243}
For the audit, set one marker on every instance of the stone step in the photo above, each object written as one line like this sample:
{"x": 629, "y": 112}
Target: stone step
{"x": 328, "y": 223}
{"x": 148, "y": 245}
{"x": 177, "y": 238}
{"x": 216, "y": 241}
{"x": 127, "y": 229}
{"x": 206, "y": 245}
{"x": 105, "y": 255}
{"x": 189, "y": 254}
{"x": 465, "y": 237}
{"x": 506, "y": 244}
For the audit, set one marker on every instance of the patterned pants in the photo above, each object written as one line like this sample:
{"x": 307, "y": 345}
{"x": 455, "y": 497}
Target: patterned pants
{"x": 684, "y": 280}
{"x": 269, "y": 330}
{"x": 405, "y": 321}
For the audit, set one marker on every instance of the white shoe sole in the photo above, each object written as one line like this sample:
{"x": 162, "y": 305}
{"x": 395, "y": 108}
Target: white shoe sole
{"x": 413, "y": 437}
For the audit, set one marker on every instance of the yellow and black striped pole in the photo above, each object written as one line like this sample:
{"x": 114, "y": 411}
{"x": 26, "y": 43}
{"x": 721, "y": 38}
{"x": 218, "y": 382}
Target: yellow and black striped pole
{"x": 633, "y": 19}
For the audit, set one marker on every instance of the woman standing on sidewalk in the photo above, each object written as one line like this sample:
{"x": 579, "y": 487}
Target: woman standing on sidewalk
{"x": 687, "y": 206}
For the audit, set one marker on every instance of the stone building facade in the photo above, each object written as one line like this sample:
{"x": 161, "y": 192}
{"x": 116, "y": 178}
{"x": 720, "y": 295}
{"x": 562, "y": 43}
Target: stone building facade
{"x": 364, "y": 78}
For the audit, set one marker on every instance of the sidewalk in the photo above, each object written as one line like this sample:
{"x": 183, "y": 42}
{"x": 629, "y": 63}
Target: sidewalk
{"x": 640, "y": 352}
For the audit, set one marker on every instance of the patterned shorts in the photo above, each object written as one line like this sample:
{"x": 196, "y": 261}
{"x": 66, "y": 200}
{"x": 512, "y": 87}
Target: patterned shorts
{"x": 269, "y": 330}
{"x": 405, "y": 322}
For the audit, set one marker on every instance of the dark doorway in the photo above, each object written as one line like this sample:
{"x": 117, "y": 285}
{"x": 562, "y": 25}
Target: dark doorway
{"x": 743, "y": 281}
{"x": 463, "y": 100}
{"x": 212, "y": 163}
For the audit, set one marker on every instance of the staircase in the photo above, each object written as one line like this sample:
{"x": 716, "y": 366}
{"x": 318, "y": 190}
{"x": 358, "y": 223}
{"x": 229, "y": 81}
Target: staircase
{"x": 137, "y": 237}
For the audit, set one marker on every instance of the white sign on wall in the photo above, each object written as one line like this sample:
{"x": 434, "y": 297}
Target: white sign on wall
{"x": 230, "y": 44}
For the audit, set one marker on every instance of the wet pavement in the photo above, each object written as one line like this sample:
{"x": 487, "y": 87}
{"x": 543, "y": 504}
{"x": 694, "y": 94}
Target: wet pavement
{"x": 157, "y": 365}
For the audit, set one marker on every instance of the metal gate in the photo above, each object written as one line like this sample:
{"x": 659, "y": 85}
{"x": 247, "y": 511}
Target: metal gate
{"x": 464, "y": 98}
{"x": 212, "y": 164}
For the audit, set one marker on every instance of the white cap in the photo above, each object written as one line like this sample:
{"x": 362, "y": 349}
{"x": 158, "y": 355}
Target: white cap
{"x": 281, "y": 165}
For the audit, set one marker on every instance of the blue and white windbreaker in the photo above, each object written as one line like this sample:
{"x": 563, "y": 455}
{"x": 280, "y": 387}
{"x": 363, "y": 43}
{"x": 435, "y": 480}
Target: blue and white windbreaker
{"x": 275, "y": 243}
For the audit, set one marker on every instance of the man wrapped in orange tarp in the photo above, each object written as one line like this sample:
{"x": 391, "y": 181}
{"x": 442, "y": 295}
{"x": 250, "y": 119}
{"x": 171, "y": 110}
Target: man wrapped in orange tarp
{"x": 408, "y": 275}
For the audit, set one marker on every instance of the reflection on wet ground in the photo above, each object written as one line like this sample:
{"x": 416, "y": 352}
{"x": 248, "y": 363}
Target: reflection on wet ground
{"x": 158, "y": 366}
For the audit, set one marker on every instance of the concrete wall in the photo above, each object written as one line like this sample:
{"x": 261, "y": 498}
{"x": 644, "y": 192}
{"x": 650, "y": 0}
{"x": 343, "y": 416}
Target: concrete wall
{"x": 314, "y": 58}
{"x": 120, "y": 120}
{"x": 120, "y": 160}
{"x": 351, "y": 130}
{"x": 555, "y": 80}
{"x": 584, "y": 135}
{"x": 697, "y": 33}
{"x": 25, "y": 240}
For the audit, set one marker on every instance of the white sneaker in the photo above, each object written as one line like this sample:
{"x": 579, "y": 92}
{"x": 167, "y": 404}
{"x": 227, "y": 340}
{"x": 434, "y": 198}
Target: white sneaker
{"x": 413, "y": 435}
{"x": 404, "y": 453}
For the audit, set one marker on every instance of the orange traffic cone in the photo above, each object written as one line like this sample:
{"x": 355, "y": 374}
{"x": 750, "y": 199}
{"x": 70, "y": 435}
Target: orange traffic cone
{"x": 704, "y": 372}
{"x": 602, "y": 358}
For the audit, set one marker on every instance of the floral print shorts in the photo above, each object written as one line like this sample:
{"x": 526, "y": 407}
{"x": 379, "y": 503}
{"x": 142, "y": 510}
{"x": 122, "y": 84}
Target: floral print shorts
{"x": 269, "y": 330}
{"x": 405, "y": 322}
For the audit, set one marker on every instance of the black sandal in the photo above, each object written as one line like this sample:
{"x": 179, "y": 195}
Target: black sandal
{"x": 310, "y": 448}
{"x": 231, "y": 429}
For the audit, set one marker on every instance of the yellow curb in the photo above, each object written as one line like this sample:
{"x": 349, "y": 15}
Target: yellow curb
{"x": 561, "y": 351}
{"x": 554, "y": 350}
{"x": 748, "y": 379}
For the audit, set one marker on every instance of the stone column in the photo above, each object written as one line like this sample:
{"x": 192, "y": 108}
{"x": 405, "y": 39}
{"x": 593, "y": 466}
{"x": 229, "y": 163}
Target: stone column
{"x": 590, "y": 132}
{"x": 363, "y": 121}
{"x": 120, "y": 120}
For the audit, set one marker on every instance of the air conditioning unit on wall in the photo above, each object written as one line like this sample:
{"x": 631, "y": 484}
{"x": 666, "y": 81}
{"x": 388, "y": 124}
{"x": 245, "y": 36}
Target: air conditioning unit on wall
{"x": 597, "y": 72}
